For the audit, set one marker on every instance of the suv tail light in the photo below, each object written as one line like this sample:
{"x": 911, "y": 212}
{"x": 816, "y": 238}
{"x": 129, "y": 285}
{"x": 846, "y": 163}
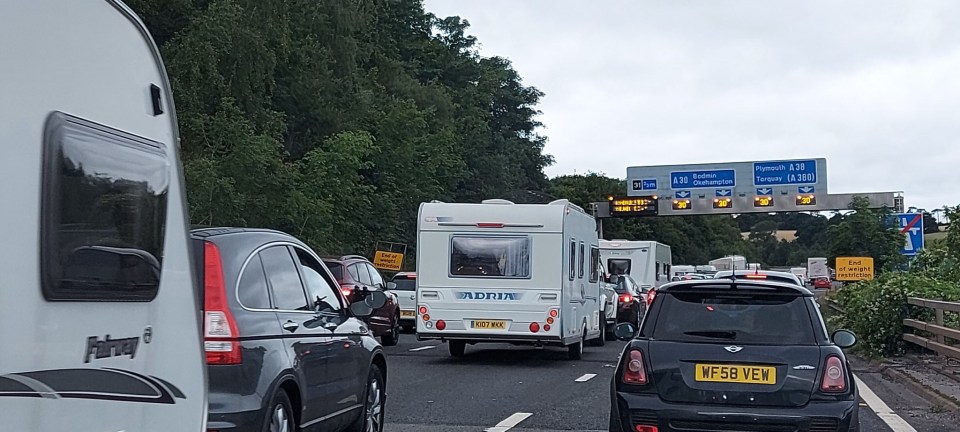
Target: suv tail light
{"x": 220, "y": 334}
{"x": 634, "y": 372}
{"x": 626, "y": 298}
{"x": 834, "y": 376}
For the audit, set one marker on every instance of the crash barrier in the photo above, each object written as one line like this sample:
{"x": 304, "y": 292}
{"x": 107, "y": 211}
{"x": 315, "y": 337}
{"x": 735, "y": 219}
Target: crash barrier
{"x": 937, "y": 329}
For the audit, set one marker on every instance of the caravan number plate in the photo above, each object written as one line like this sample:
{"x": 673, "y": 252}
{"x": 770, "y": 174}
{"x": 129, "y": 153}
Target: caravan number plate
{"x": 736, "y": 374}
{"x": 488, "y": 324}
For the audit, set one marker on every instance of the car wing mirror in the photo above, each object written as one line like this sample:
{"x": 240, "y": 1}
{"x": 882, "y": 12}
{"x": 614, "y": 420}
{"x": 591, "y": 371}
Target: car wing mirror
{"x": 391, "y": 285}
{"x": 625, "y": 331}
{"x": 844, "y": 338}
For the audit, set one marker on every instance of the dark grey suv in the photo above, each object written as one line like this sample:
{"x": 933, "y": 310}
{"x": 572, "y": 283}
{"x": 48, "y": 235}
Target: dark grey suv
{"x": 284, "y": 352}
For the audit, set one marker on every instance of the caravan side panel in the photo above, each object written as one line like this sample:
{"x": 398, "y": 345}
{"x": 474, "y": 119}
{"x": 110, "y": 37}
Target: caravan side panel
{"x": 81, "y": 359}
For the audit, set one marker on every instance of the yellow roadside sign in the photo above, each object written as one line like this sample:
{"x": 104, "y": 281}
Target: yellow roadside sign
{"x": 854, "y": 268}
{"x": 391, "y": 261}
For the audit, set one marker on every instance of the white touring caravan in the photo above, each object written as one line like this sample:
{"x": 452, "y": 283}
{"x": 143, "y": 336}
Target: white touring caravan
{"x": 99, "y": 317}
{"x": 504, "y": 272}
{"x": 647, "y": 262}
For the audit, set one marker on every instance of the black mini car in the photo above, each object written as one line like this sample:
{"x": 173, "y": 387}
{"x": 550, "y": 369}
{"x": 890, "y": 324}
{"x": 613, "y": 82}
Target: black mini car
{"x": 743, "y": 355}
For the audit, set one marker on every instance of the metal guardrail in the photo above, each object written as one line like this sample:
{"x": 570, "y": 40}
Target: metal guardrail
{"x": 939, "y": 331}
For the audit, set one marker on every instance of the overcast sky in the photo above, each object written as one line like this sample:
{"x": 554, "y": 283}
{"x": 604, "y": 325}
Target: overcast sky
{"x": 872, "y": 86}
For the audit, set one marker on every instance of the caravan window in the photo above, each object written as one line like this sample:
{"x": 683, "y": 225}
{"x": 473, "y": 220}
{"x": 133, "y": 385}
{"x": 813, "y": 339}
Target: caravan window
{"x": 618, "y": 266}
{"x": 506, "y": 257}
{"x": 657, "y": 271}
{"x": 573, "y": 259}
{"x": 594, "y": 263}
{"x": 582, "y": 261}
{"x": 103, "y": 212}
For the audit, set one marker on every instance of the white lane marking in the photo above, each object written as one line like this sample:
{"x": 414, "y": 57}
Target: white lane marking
{"x": 509, "y": 422}
{"x": 585, "y": 378}
{"x": 880, "y": 408}
{"x": 423, "y": 348}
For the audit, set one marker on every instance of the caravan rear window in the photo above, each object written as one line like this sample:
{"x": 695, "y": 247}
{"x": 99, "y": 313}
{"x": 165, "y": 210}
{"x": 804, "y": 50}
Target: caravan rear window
{"x": 104, "y": 212}
{"x": 477, "y": 256}
{"x": 618, "y": 266}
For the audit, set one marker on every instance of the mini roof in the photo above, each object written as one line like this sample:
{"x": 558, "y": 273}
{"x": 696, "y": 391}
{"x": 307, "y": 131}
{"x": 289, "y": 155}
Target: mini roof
{"x": 731, "y": 285}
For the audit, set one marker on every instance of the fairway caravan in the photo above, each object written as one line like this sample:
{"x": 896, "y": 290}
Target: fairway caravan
{"x": 99, "y": 310}
{"x": 647, "y": 262}
{"x": 503, "y": 272}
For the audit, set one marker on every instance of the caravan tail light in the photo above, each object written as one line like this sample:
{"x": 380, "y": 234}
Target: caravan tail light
{"x": 534, "y": 327}
{"x": 554, "y": 312}
{"x": 220, "y": 334}
{"x": 441, "y": 324}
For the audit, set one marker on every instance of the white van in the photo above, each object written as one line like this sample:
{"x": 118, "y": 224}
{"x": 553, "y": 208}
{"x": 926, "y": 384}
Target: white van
{"x": 504, "y": 272}
{"x": 99, "y": 317}
{"x": 647, "y": 262}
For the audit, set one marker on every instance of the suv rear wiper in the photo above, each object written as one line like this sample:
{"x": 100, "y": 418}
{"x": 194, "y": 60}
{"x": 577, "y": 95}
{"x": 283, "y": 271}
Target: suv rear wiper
{"x": 715, "y": 334}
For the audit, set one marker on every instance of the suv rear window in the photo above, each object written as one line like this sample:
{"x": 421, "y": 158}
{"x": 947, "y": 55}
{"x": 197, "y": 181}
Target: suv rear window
{"x": 335, "y": 268}
{"x": 743, "y": 318}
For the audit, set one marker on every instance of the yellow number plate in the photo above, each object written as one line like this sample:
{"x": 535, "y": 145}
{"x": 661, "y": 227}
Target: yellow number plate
{"x": 736, "y": 374}
{"x": 488, "y": 324}
{"x": 407, "y": 314}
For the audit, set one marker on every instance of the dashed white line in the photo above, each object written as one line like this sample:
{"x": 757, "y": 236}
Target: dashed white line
{"x": 895, "y": 422}
{"x": 509, "y": 422}
{"x": 585, "y": 378}
{"x": 423, "y": 348}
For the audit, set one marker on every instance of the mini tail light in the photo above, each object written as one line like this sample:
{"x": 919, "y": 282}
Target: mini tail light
{"x": 646, "y": 428}
{"x": 534, "y": 327}
{"x": 441, "y": 324}
{"x": 634, "y": 372}
{"x": 220, "y": 334}
{"x": 650, "y": 296}
{"x": 834, "y": 378}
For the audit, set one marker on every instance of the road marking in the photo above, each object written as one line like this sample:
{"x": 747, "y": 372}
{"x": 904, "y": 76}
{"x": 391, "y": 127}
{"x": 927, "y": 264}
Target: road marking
{"x": 509, "y": 422}
{"x": 880, "y": 408}
{"x": 585, "y": 378}
{"x": 423, "y": 348}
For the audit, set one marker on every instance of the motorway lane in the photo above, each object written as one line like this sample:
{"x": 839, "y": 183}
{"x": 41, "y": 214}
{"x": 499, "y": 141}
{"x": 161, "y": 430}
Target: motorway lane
{"x": 429, "y": 391}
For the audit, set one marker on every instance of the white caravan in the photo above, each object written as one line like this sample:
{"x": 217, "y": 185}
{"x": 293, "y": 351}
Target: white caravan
{"x": 732, "y": 262}
{"x": 647, "y": 262}
{"x": 680, "y": 270}
{"x": 99, "y": 317}
{"x": 504, "y": 272}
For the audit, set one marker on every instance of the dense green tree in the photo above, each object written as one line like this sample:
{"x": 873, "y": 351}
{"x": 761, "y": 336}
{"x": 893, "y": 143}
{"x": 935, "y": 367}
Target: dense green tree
{"x": 864, "y": 232}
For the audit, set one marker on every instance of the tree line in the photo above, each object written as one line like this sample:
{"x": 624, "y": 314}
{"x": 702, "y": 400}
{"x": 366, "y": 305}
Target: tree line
{"x": 334, "y": 120}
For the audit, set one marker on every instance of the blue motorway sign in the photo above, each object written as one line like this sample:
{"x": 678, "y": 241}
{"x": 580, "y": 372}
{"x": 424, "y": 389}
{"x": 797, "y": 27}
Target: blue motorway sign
{"x": 703, "y": 179}
{"x": 779, "y": 173}
{"x": 645, "y": 185}
{"x": 911, "y": 226}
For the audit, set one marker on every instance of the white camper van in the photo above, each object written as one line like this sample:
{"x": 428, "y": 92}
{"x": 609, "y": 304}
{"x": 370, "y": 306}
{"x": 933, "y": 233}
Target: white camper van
{"x": 504, "y": 272}
{"x": 647, "y": 262}
{"x": 99, "y": 317}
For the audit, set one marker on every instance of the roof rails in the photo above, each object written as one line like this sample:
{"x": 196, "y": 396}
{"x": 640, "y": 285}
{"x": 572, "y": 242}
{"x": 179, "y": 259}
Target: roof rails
{"x": 346, "y": 257}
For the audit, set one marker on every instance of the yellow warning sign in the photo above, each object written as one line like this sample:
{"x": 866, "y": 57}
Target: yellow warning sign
{"x": 391, "y": 261}
{"x": 854, "y": 268}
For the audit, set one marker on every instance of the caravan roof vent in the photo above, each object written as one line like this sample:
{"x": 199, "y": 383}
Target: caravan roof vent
{"x": 496, "y": 201}
{"x": 436, "y": 201}
{"x": 560, "y": 202}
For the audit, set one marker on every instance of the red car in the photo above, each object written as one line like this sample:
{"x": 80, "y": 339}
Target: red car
{"x": 822, "y": 283}
{"x": 356, "y": 273}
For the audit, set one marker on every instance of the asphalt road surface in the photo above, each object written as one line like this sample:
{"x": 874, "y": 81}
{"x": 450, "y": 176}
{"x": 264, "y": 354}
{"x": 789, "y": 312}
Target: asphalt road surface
{"x": 501, "y": 387}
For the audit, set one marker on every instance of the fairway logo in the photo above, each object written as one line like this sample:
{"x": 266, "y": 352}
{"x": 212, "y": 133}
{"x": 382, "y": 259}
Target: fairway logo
{"x": 478, "y": 295}
{"x": 733, "y": 348}
{"x": 99, "y": 349}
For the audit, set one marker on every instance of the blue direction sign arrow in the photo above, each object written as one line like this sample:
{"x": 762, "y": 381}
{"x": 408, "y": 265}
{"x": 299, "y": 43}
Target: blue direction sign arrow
{"x": 778, "y": 173}
{"x": 764, "y": 191}
{"x": 682, "y": 194}
{"x": 806, "y": 189}
{"x": 724, "y": 192}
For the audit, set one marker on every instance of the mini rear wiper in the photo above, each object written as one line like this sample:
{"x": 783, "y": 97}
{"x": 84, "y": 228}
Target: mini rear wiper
{"x": 715, "y": 334}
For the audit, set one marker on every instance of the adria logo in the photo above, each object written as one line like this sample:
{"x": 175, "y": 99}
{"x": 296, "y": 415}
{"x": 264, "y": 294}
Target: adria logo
{"x": 479, "y": 295}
